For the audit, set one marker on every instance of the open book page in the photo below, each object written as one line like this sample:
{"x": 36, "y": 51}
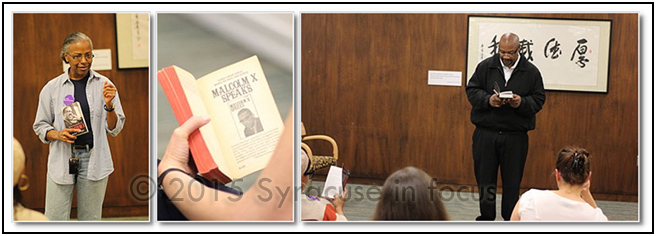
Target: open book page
{"x": 197, "y": 106}
{"x": 506, "y": 95}
{"x": 333, "y": 183}
{"x": 250, "y": 123}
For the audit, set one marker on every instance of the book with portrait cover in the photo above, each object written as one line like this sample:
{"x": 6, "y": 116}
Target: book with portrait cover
{"x": 245, "y": 122}
{"x": 73, "y": 118}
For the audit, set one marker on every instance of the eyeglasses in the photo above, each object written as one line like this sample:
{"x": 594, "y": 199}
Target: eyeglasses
{"x": 511, "y": 53}
{"x": 78, "y": 57}
{"x": 310, "y": 175}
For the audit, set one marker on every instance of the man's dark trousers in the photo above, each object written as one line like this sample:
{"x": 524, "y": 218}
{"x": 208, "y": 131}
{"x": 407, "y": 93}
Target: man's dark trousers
{"x": 491, "y": 149}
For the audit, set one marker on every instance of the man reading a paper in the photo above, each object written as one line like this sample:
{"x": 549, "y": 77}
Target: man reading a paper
{"x": 501, "y": 138}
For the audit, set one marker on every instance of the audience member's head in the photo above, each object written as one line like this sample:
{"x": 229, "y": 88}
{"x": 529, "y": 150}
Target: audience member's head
{"x": 306, "y": 172}
{"x": 573, "y": 165}
{"x": 21, "y": 183}
{"x": 410, "y": 194}
{"x": 19, "y": 169}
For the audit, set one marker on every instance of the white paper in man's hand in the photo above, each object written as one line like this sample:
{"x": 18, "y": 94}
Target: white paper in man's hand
{"x": 333, "y": 183}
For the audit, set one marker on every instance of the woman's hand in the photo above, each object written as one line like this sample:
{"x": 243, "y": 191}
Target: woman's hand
{"x": 338, "y": 202}
{"x": 109, "y": 92}
{"x": 177, "y": 151}
{"x": 64, "y": 135}
{"x": 586, "y": 185}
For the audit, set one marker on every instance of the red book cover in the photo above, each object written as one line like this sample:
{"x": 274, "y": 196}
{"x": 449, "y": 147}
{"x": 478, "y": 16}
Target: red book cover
{"x": 168, "y": 78}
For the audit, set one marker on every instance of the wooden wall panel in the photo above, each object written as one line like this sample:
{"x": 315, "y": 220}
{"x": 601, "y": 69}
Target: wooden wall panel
{"x": 37, "y": 43}
{"x": 364, "y": 82}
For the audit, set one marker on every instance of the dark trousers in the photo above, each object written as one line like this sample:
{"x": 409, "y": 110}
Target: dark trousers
{"x": 491, "y": 150}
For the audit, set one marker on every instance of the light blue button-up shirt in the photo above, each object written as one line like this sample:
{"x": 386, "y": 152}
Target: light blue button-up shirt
{"x": 49, "y": 116}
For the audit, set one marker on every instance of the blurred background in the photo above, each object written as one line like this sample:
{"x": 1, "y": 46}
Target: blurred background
{"x": 203, "y": 43}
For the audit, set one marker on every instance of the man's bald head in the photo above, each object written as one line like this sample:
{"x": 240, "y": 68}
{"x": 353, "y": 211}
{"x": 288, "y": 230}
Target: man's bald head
{"x": 509, "y": 48}
{"x": 510, "y": 38}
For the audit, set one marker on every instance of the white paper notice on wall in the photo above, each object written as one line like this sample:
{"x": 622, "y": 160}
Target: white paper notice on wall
{"x": 102, "y": 60}
{"x": 445, "y": 78}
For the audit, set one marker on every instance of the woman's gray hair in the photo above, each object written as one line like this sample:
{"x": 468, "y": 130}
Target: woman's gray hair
{"x": 74, "y": 38}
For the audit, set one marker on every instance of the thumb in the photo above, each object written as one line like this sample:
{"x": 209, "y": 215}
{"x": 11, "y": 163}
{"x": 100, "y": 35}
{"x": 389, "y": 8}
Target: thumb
{"x": 192, "y": 124}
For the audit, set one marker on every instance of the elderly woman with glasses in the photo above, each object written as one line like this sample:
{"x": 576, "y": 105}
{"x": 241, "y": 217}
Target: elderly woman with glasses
{"x": 74, "y": 158}
{"x": 315, "y": 208}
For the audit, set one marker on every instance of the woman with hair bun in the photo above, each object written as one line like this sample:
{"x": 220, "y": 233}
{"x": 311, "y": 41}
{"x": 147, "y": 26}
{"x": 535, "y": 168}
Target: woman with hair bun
{"x": 571, "y": 202}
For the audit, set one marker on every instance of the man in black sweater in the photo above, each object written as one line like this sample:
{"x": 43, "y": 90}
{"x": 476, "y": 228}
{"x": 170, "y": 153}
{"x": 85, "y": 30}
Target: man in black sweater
{"x": 501, "y": 138}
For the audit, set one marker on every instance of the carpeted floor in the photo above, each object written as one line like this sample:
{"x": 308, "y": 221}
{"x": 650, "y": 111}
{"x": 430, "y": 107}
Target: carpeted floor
{"x": 130, "y": 218}
{"x": 462, "y": 206}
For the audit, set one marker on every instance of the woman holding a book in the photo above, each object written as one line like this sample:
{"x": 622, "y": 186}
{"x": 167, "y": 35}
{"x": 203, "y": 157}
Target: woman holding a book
{"x": 75, "y": 157}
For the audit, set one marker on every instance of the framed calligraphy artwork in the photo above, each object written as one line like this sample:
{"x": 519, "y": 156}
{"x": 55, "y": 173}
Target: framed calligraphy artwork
{"x": 132, "y": 40}
{"x": 572, "y": 55}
